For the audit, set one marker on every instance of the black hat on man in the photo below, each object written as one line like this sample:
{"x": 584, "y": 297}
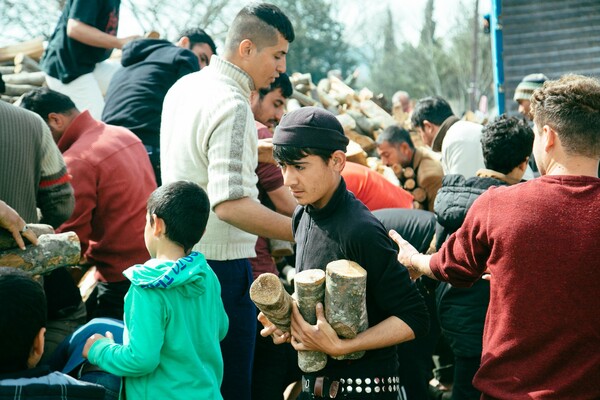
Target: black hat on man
{"x": 311, "y": 127}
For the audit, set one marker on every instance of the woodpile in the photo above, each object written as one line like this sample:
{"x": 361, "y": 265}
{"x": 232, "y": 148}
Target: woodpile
{"x": 408, "y": 180}
{"x": 20, "y": 69}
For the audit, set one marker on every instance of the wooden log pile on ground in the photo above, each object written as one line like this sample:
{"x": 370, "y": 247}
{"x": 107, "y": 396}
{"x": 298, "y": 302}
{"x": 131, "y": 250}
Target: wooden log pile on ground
{"x": 20, "y": 69}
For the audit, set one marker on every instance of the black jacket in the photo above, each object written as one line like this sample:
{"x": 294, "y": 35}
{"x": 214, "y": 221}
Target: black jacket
{"x": 461, "y": 311}
{"x": 136, "y": 92}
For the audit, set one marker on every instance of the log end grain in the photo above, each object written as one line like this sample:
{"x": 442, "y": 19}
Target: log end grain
{"x": 266, "y": 289}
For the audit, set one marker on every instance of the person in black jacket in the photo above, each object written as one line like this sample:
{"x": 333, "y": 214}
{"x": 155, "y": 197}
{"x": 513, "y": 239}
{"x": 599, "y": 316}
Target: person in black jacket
{"x": 507, "y": 144}
{"x": 309, "y": 144}
{"x": 150, "y": 67}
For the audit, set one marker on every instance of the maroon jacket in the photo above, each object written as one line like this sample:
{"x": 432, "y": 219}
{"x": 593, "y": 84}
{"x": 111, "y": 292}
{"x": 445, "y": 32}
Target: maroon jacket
{"x": 112, "y": 179}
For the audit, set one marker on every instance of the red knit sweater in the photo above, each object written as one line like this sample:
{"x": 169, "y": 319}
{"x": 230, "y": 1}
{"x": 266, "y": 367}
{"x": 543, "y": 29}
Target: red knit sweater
{"x": 541, "y": 242}
{"x": 112, "y": 180}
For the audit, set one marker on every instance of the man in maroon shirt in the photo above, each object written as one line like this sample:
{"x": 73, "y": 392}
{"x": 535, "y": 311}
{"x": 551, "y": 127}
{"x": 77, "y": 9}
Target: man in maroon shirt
{"x": 112, "y": 179}
{"x": 539, "y": 241}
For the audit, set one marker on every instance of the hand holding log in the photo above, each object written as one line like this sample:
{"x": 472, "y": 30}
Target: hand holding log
{"x": 310, "y": 291}
{"x": 52, "y": 251}
{"x": 269, "y": 295}
{"x": 345, "y": 301}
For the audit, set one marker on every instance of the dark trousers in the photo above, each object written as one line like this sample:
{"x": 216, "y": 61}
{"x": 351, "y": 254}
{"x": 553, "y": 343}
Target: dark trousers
{"x": 275, "y": 367}
{"x": 464, "y": 371}
{"x": 235, "y": 277}
{"x": 107, "y": 300}
{"x": 154, "y": 155}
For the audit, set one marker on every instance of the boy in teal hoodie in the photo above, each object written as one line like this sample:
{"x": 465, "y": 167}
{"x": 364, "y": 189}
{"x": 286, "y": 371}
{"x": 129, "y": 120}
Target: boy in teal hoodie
{"x": 174, "y": 316}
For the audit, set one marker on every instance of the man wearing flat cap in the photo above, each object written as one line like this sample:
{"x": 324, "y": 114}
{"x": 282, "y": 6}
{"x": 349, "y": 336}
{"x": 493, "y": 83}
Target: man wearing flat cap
{"x": 309, "y": 145}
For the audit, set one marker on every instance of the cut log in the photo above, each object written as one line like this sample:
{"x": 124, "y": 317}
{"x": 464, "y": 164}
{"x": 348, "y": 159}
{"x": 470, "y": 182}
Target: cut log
{"x": 305, "y": 100}
{"x": 310, "y": 290}
{"x": 280, "y": 248}
{"x": 292, "y": 105}
{"x": 355, "y": 153}
{"x": 24, "y": 63}
{"x": 419, "y": 194}
{"x": 418, "y": 206}
{"x": 269, "y": 295}
{"x": 25, "y": 78}
{"x": 408, "y": 173}
{"x": 397, "y": 168}
{"x": 365, "y": 142}
{"x": 9, "y": 99}
{"x": 8, "y": 242}
{"x": 7, "y": 69}
{"x": 53, "y": 251}
{"x": 348, "y": 123}
{"x": 409, "y": 184}
{"x": 345, "y": 301}
{"x": 17, "y": 90}
{"x": 366, "y": 125}
{"x": 33, "y": 48}
{"x": 301, "y": 79}
{"x": 376, "y": 113}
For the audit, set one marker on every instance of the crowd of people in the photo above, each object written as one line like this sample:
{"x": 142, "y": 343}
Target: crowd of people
{"x": 179, "y": 171}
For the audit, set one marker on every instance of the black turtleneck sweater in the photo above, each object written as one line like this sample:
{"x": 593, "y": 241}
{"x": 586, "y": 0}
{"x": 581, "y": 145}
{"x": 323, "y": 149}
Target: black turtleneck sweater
{"x": 346, "y": 229}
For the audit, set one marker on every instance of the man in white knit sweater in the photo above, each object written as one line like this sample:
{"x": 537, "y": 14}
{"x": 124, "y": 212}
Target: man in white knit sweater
{"x": 208, "y": 136}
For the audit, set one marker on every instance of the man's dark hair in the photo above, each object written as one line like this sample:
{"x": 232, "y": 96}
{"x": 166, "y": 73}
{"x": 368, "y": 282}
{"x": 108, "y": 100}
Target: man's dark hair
{"x": 395, "y": 135}
{"x": 198, "y": 36}
{"x": 23, "y": 314}
{"x": 290, "y": 155}
{"x": 184, "y": 206}
{"x": 433, "y": 109}
{"x": 44, "y": 101}
{"x": 281, "y": 82}
{"x": 506, "y": 143}
{"x": 570, "y": 106}
{"x": 259, "y": 22}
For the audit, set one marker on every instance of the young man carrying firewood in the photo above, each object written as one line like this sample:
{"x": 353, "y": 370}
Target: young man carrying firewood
{"x": 309, "y": 145}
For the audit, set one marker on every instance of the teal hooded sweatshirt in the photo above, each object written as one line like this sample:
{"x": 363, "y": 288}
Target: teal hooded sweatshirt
{"x": 174, "y": 322}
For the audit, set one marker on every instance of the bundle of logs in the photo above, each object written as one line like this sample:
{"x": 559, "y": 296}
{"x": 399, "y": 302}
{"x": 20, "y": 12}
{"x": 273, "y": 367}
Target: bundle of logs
{"x": 341, "y": 288}
{"x": 53, "y": 251}
{"x": 20, "y": 69}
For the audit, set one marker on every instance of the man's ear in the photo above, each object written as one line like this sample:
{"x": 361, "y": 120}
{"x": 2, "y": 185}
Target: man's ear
{"x": 37, "y": 349}
{"x": 246, "y": 48}
{"x": 184, "y": 42}
{"x": 549, "y": 137}
{"x": 338, "y": 159}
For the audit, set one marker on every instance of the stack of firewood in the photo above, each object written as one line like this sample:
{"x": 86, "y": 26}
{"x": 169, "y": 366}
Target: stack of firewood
{"x": 408, "y": 181}
{"x": 20, "y": 69}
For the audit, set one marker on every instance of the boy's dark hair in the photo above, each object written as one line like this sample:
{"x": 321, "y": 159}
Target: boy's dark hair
{"x": 22, "y": 315}
{"x": 198, "y": 36}
{"x": 433, "y": 109}
{"x": 44, "y": 101}
{"x": 570, "y": 106}
{"x": 259, "y": 22}
{"x": 506, "y": 143}
{"x": 290, "y": 155}
{"x": 281, "y": 82}
{"x": 395, "y": 135}
{"x": 184, "y": 206}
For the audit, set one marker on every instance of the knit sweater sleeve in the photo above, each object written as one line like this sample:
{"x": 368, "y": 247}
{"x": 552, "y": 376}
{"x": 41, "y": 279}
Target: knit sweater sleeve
{"x": 55, "y": 196}
{"x": 463, "y": 257}
{"x": 232, "y": 153}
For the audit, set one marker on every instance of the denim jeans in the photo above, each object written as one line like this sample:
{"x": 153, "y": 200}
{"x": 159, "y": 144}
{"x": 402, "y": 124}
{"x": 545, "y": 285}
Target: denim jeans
{"x": 110, "y": 382}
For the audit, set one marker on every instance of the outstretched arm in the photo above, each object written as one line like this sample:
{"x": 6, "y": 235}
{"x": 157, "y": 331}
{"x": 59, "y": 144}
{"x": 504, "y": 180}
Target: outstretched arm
{"x": 416, "y": 263}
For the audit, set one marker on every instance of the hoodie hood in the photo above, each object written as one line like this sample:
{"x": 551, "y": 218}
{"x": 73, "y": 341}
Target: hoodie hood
{"x": 187, "y": 273}
{"x": 138, "y": 50}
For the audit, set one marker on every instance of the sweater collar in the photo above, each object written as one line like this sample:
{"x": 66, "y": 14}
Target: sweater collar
{"x": 322, "y": 213}
{"x": 234, "y": 72}
{"x": 441, "y": 133}
{"x": 76, "y": 128}
{"x": 489, "y": 173}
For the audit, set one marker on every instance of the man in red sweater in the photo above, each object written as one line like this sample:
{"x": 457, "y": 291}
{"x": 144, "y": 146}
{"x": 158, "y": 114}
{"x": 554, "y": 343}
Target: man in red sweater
{"x": 539, "y": 241}
{"x": 112, "y": 179}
